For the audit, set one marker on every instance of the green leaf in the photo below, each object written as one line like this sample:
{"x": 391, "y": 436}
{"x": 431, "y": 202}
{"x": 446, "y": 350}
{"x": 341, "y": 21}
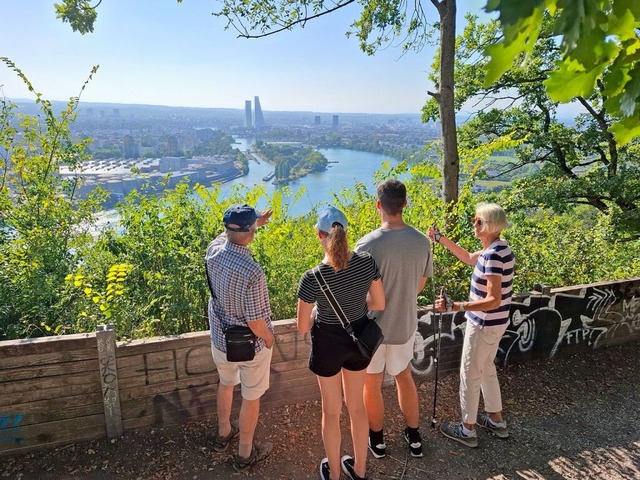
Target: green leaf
{"x": 569, "y": 81}
{"x": 626, "y": 130}
{"x": 631, "y": 96}
{"x": 520, "y": 38}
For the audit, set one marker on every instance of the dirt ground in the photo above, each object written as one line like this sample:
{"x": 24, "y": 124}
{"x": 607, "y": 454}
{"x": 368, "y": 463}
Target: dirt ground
{"x": 574, "y": 417}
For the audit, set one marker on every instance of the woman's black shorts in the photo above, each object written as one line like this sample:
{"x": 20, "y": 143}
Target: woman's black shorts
{"x": 333, "y": 349}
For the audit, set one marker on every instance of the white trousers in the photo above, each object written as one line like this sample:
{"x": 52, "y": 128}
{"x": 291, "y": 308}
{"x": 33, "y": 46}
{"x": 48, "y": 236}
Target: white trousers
{"x": 478, "y": 372}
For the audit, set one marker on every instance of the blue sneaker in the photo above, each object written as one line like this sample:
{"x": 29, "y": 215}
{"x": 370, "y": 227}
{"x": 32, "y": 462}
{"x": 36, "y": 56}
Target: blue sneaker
{"x": 453, "y": 430}
{"x": 498, "y": 429}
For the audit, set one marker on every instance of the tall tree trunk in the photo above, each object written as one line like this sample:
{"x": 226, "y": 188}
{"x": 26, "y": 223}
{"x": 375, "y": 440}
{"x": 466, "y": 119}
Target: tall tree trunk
{"x": 451, "y": 161}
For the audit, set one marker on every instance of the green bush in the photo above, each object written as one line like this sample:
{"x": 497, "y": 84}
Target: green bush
{"x": 146, "y": 274}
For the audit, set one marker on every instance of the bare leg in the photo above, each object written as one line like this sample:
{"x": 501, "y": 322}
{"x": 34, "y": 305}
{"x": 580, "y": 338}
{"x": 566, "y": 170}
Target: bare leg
{"x": 224, "y": 399}
{"x": 331, "y": 393}
{"x": 353, "y": 384}
{"x": 408, "y": 397}
{"x": 249, "y": 412}
{"x": 374, "y": 401}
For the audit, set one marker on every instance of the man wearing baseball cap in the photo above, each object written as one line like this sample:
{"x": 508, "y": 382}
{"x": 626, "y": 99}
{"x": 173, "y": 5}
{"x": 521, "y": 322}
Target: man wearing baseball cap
{"x": 239, "y": 297}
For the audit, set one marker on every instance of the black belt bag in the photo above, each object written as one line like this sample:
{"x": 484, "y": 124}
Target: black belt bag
{"x": 369, "y": 338}
{"x": 240, "y": 343}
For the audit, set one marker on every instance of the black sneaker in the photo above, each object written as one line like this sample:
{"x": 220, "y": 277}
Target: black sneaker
{"x": 324, "y": 469}
{"x": 376, "y": 444}
{"x": 347, "y": 467}
{"x": 412, "y": 437}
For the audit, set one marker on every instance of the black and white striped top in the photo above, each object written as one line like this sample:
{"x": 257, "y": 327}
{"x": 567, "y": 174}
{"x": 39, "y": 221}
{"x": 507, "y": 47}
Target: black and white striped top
{"x": 349, "y": 286}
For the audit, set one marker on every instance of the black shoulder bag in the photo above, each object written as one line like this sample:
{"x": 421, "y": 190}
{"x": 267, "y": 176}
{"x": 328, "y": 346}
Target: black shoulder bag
{"x": 369, "y": 338}
{"x": 240, "y": 341}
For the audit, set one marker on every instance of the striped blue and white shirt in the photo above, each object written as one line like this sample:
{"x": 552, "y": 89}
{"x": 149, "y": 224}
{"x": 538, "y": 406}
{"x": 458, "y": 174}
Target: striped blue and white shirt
{"x": 497, "y": 259}
{"x": 240, "y": 288}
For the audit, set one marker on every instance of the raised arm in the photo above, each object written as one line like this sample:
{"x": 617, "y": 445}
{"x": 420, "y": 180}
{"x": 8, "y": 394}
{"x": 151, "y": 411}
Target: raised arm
{"x": 462, "y": 254}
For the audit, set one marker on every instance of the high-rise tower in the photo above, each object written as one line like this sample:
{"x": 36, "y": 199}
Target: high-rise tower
{"x": 258, "y": 119}
{"x": 247, "y": 114}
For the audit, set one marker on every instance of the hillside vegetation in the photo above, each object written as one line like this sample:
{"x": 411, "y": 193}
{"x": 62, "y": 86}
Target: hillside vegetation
{"x": 146, "y": 276}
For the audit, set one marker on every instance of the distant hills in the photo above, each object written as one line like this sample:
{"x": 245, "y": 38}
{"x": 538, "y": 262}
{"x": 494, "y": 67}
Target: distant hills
{"x": 236, "y": 115}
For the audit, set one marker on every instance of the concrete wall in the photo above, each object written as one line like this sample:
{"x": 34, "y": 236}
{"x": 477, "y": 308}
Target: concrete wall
{"x": 565, "y": 320}
{"x": 58, "y": 390}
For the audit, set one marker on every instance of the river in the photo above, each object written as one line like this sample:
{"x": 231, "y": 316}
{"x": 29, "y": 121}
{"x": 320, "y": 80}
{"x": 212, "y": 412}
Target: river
{"x": 346, "y": 168}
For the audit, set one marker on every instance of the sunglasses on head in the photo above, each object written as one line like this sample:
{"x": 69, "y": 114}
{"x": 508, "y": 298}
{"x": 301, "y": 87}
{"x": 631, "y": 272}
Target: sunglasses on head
{"x": 478, "y": 221}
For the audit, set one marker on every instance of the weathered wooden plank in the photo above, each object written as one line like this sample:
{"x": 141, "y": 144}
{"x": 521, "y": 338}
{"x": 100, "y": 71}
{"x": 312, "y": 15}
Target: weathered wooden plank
{"x": 54, "y": 409}
{"x": 293, "y": 337}
{"x": 38, "y": 346}
{"x": 155, "y": 344}
{"x": 290, "y": 351}
{"x": 290, "y": 365}
{"x": 185, "y": 403}
{"x": 197, "y": 402}
{"x": 184, "y": 362}
{"x": 284, "y": 376}
{"x": 150, "y": 390}
{"x": 192, "y": 351}
{"x": 60, "y": 391}
{"x": 170, "y": 411}
{"x": 69, "y": 430}
{"x": 137, "y": 347}
{"x": 49, "y": 370}
{"x": 31, "y": 384}
{"x": 21, "y": 361}
{"x": 106, "y": 341}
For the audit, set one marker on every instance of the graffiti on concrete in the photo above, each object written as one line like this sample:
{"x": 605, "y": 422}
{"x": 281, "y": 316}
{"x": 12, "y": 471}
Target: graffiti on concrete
{"x": 541, "y": 325}
{"x": 451, "y": 327}
{"x": 10, "y": 428}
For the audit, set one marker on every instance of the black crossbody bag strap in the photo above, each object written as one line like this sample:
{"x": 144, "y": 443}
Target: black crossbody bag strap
{"x": 337, "y": 309}
{"x": 213, "y": 295}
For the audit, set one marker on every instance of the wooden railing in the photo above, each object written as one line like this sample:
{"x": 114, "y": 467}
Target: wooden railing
{"x": 59, "y": 390}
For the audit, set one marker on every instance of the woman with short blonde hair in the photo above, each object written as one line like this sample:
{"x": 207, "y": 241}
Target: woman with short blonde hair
{"x": 487, "y": 316}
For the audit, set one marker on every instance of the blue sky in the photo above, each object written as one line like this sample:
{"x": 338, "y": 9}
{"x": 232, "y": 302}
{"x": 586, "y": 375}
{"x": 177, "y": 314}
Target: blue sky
{"x": 164, "y": 53}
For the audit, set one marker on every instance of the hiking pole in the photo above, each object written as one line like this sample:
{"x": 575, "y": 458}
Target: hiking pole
{"x": 437, "y": 359}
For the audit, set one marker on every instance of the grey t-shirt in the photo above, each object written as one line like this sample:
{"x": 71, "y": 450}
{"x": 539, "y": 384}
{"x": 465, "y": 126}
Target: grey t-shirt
{"x": 404, "y": 257}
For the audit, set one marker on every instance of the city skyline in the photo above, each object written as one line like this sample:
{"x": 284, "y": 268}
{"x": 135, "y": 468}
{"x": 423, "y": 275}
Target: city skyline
{"x": 166, "y": 53}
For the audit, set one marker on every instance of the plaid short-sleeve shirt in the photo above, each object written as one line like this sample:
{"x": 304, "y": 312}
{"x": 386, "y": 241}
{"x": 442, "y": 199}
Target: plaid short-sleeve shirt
{"x": 240, "y": 289}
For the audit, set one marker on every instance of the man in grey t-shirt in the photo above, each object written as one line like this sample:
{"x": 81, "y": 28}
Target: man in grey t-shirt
{"x": 403, "y": 255}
